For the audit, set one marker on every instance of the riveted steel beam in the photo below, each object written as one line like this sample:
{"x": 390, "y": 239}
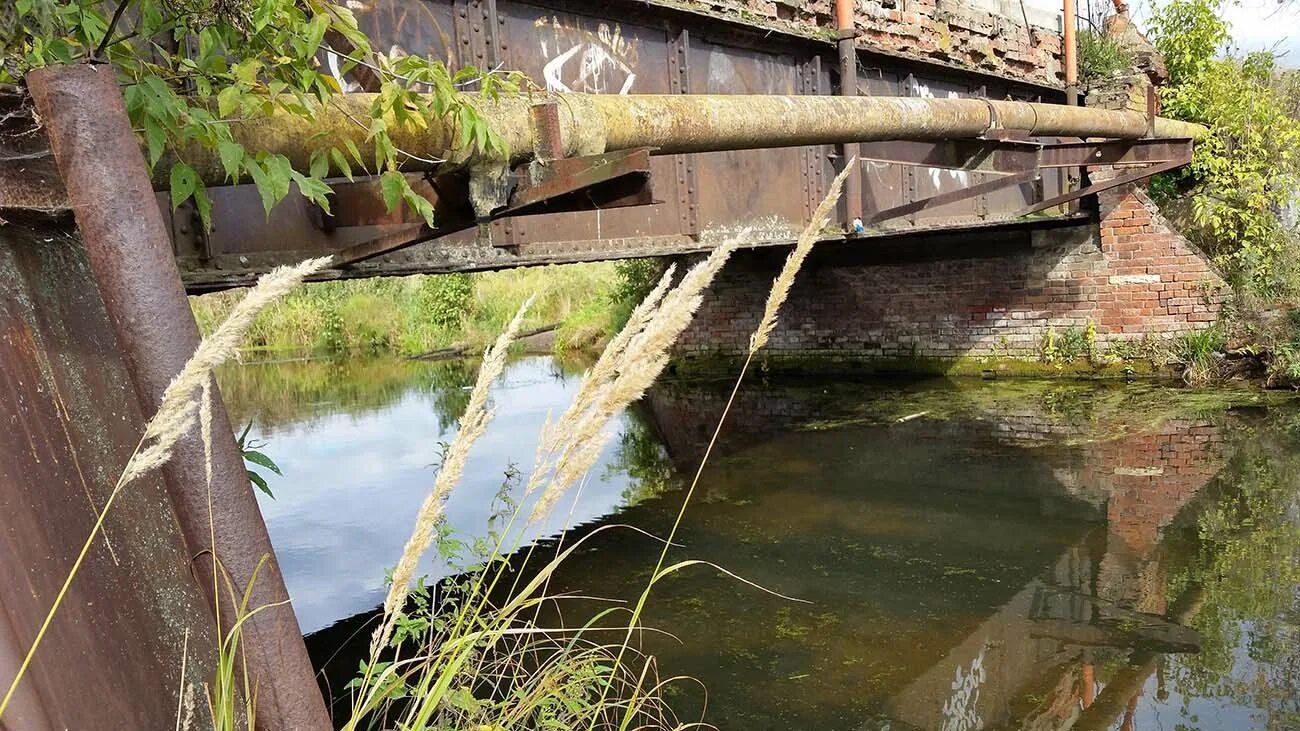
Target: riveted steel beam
{"x": 952, "y": 196}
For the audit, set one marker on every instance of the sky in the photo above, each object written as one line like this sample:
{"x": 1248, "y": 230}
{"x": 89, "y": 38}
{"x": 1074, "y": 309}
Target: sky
{"x": 1255, "y": 25}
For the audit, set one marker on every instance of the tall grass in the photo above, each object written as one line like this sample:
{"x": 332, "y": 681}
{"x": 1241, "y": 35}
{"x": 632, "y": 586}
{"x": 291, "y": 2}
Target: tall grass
{"x": 420, "y": 313}
{"x": 476, "y": 653}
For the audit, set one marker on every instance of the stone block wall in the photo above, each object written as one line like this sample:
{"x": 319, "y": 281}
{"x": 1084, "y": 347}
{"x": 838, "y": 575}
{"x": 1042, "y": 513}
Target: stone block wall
{"x": 989, "y": 36}
{"x": 964, "y": 301}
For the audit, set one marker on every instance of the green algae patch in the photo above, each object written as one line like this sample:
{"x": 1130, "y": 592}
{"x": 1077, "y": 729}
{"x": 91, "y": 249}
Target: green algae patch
{"x": 1084, "y": 411}
{"x": 832, "y": 363}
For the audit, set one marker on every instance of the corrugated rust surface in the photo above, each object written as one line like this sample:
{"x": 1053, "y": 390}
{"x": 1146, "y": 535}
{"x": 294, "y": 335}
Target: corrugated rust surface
{"x": 70, "y": 419}
{"x": 126, "y": 244}
{"x": 626, "y": 48}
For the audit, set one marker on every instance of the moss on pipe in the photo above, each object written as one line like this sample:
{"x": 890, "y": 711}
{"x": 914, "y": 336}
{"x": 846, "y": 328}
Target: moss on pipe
{"x": 592, "y": 123}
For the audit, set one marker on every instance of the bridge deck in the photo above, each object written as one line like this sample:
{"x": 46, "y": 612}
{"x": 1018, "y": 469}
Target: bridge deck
{"x": 635, "y": 48}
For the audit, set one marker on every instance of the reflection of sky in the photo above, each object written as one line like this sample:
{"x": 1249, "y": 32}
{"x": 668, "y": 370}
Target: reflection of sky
{"x": 1222, "y": 710}
{"x": 1179, "y": 711}
{"x": 353, "y": 485}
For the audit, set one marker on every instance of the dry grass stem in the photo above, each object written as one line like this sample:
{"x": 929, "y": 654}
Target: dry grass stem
{"x": 781, "y": 287}
{"x": 776, "y": 297}
{"x": 175, "y": 416}
{"x": 473, "y": 423}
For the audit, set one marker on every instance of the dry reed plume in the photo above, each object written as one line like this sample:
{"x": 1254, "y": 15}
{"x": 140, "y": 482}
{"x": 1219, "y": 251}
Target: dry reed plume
{"x": 794, "y": 262}
{"x": 175, "y": 417}
{"x": 473, "y": 423}
{"x": 776, "y": 297}
{"x": 629, "y": 365}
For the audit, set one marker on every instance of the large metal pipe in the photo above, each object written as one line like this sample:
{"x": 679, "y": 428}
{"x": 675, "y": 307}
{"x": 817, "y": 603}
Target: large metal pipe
{"x": 129, "y": 249}
{"x": 684, "y": 123}
{"x": 848, "y": 56}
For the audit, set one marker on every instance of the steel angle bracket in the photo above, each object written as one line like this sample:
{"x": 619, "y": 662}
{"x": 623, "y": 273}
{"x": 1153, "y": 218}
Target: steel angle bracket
{"x": 1115, "y": 182}
{"x": 610, "y": 180}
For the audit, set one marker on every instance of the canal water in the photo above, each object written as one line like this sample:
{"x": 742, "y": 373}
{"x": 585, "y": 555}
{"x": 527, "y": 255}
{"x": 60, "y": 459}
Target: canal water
{"x": 966, "y": 555}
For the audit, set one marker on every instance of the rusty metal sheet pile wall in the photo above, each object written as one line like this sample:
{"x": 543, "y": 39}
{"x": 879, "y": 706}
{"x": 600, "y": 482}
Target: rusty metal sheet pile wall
{"x": 621, "y": 48}
{"x": 112, "y": 657}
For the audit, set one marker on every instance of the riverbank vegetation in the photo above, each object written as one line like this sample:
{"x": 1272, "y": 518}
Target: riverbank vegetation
{"x": 1237, "y": 199}
{"x": 422, "y": 313}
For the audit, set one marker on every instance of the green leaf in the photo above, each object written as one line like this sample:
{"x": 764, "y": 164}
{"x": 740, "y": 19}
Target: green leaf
{"x": 156, "y": 140}
{"x": 466, "y": 119}
{"x": 314, "y": 189}
{"x": 265, "y": 187}
{"x": 354, "y": 151}
{"x": 341, "y": 162}
{"x": 184, "y": 181}
{"x": 314, "y": 34}
{"x": 228, "y": 100}
{"x": 320, "y": 164}
{"x": 393, "y": 185}
{"x": 203, "y": 204}
{"x": 258, "y": 458}
{"x": 232, "y": 158}
{"x": 260, "y": 482}
{"x": 419, "y": 204}
{"x": 246, "y": 71}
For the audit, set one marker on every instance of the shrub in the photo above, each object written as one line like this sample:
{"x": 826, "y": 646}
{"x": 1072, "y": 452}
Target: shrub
{"x": 1246, "y": 174}
{"x": 446, "y": 297}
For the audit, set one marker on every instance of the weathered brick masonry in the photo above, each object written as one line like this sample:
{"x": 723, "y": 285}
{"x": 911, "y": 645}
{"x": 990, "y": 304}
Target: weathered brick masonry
{"x": 934, "y": 303}
{"x": 989, "y": 36}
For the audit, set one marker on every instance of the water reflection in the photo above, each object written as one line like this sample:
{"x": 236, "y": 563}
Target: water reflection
{"x": 357, "y": 443}
{"x": 988, "y": 555}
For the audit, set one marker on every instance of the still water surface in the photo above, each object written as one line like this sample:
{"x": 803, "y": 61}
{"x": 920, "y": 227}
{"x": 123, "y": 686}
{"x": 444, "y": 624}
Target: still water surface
{"x": 975, "y": 555}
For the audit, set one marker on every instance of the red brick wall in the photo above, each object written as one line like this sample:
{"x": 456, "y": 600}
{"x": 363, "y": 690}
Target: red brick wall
{"x": 972, "y": 295}
{"x": 989, "y": 36}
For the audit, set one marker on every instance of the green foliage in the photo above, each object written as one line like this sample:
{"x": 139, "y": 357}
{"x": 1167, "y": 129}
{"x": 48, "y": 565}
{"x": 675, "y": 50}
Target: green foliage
{"x": 633, "y": 280}
{"x": 1101, "y": 56}
{"x": 253, "y": 454}
{"x": 447, "y": 298}
{"x": 1071, "y": 345}
{"x": 1188, "y": 33}
{"x": 188, "y": 68}
{"x": 417, "y": 314}
{"x": 1246, "y": 173}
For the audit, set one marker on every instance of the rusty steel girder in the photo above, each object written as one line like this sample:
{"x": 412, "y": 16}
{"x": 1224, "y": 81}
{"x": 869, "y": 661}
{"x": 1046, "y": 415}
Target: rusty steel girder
{"x": 594, "y": 182}
{"x": 1015, "y": 162}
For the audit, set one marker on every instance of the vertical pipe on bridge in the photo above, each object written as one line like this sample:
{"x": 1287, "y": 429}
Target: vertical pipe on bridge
{"x": 848, "y": 55}
{"x": 1070, "y": 60}
{"x": 130, "y": 253}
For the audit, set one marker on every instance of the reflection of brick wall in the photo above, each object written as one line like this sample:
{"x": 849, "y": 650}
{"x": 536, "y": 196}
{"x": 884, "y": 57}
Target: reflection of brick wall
{"x": 983, "y": 35}
{"x": 981, "y": 294}
{"x": 1152, "y": 476}
{"x": 1144, "y": 480}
